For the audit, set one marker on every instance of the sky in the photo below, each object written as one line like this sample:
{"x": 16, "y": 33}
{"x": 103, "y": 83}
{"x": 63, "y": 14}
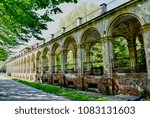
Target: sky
{"x": 66, "y": 8}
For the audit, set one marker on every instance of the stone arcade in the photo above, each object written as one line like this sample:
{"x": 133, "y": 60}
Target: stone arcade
{"x": 130, "y": 21}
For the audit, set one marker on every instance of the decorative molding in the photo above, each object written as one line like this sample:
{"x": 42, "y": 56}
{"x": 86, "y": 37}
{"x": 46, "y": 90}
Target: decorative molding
{"x": 146, "y": 28}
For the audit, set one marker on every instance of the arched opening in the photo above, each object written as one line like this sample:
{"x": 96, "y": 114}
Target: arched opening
{"x": 96, "y": 59}
{"x": 70, "y": 55}
{"x": 56, "y": 58}
{"x": 28, "y": 64}
{"x": 46, "y": 57}
{"x": 18, "y": 67}
{"x": 121, "y": 55}
{"x": 33, "y": 63}
{"x": 92, "y": 52}
{"x": 39, "y": 62}
{"x": 25, "y": 65}
{"x": 22, "y": 65}
{"x": 141, "y": 58}
{"x": 127, "y": 38}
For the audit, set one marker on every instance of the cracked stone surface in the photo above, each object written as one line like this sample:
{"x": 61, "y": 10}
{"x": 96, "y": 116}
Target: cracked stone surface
{"x": 14, "y": 91}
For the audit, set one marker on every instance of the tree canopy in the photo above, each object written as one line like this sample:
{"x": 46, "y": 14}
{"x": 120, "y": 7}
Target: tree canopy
{"x": 20, "y": 20}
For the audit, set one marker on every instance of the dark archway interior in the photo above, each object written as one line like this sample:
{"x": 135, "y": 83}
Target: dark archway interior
{"x": 93, "y": 63}
{"x": 127, "y": 29}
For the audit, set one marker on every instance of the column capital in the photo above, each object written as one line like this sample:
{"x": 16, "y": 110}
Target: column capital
{"x": 146, "y": 27}
{"x": 79, "y": 46}
{"x": 106, "y": 39}
{"x": 52, "y": 54}
{"x": 63, "y": 51}
{"x": 43, "y": 56}
{"x": 36, "y": 58}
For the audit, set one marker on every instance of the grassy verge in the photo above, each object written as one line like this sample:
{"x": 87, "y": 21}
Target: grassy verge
{"x": 62, "y": 91}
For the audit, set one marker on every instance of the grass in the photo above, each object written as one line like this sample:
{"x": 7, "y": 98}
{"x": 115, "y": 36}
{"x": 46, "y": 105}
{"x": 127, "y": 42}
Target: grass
{"x": 62, "y": 91}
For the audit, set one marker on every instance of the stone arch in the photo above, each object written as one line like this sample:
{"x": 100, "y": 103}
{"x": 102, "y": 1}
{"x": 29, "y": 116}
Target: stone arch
{"x": 128, "y": 26}
{"x": 39, "y": 61}
{"x": 110, "y": 25}
{"x": 46, "y": 57}
{"x": 69, "y": 40}
{"x": 70, "y": 55}
{"x": 22, "y": 65}
{"x": 54, "y": 47}
{"x": 33, "y": 63}
{"x": 28, "y": 64}
{"x": 90, "y": 38}
{"x": 56, "y": 57}
{"x": 19, "y": 66}
{"x": 24, "y": 62}
{"x": 93, "y": 32}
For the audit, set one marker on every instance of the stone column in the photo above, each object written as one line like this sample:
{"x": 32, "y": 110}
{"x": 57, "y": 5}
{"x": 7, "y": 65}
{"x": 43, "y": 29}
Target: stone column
{"x": 88, "y": 59}
{"x": 132, "y": 54}
{"x": 64, "y": 60}
{"x": 80, "y": 59}
{"x": 26, "y": 66}
{"x": 146, "y": 37}
{"x": 49, "y": 59}
{"x": 31, "y": 65}
{"x": 36, "y": 66}
{"x": 52, "y": 62}
{"x": 107, "y": 57}
{"x": 23, "y": 67}
{"x": 43, "y": 65}
{"x": 75, "y": 60}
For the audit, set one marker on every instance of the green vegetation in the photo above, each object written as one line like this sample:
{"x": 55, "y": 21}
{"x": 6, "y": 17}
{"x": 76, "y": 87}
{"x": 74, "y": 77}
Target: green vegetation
{"x": 62, "y": 91}
{"x": 121, "y": 53}
{"x": 97, "y": 55}
{"x": 3, "y": 54}
{"x": 23, "y": 20}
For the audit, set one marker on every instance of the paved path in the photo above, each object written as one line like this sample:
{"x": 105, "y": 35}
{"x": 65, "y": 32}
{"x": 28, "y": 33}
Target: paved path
{"x": 14, "y": 91}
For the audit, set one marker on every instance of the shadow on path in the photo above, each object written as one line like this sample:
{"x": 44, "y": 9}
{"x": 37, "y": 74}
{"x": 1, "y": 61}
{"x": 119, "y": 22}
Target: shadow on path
{"x": 14, "y": 91}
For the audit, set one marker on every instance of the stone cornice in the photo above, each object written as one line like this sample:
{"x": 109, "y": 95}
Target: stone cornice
{"x": 106, "y": 39}
{"x": 146, "y": 28}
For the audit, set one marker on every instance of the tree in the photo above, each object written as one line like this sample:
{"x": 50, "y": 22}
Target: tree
{"x": 3, "y": 54}
{"x": 20, "y": 20}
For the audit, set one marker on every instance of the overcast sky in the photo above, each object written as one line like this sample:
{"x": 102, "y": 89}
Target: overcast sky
{"x": 66, "y": 8}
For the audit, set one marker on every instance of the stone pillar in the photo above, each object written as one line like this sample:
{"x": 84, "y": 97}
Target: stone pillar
{"x": 23, "y": 67}
{"x": 75, "y": 60}
{"x": 43, "y": 65}
{"x": 88, "y": 59}
{"x": 36, "y": 66}
{"x": 146, "y": 37}
{"x": 64, "y": 60}
{"x": 132, "y": 54}
{"x": 107, "y": 57}
{"x": 52, "y": 62}
{"x": 49, "y": 59}
{"x": 26, "y": 66}
{"x": 31, "y": 65}
{"x": 80, "y": 59}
